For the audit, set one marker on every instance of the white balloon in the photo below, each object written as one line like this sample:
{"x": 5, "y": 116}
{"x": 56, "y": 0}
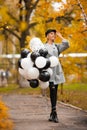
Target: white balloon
{"x": 28, "y": 56}
{"x": 33, "y": 73}
{"x": 43, "y": 85}
{"x": 23, "y": 73}
{"x": 54, "y": 61}
{"x": 26, "y": 63}
{"x": 40, "y": 62}
{"x": 36, "y": 44}
{"x": 38, "y": 47}
{"x": 23, "y": 82}
{"x": 50, "y": 71}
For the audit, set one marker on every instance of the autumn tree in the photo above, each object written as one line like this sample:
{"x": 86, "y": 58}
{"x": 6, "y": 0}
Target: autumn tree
{"x": 16, "y": 21}
{"x": 77, "y": 34}
{"x": 16, "y": 17}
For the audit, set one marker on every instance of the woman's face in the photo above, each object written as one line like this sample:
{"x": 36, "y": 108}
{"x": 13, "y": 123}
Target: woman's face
{"x": 51, "y": 36}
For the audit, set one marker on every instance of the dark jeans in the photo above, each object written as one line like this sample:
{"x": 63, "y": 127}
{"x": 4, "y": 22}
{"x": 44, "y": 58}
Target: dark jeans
{"x": 53, "y": 94}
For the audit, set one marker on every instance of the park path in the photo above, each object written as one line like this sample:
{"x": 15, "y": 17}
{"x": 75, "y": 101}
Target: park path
{"x": 31, "y": 112}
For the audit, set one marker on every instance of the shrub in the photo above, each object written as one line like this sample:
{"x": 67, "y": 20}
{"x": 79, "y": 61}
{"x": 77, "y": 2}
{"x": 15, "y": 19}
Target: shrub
{"x": 5, "y": 121}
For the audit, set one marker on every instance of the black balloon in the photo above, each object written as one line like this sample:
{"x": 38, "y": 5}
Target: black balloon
{"x": 19, "y": 64}
{"x": 44, "y": 76}
{"x": 24, "y": 53}
{"x": 43, "y": 52}
{"x": 34, "y": 83}
{"x": 34, "y": 55}
{"x": 47, "y": 64}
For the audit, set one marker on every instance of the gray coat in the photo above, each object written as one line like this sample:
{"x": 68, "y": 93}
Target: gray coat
{"x": 54, "y": 50}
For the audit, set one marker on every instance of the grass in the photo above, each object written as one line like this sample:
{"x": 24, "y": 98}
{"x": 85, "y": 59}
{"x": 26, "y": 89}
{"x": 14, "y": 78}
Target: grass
{"x": 14, "y": 88}
{"x": 75, "y": 94}
{"x": 76, "y": 87}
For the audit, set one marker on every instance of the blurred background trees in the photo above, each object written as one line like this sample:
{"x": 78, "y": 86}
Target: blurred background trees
{"x": 22, "y": 19}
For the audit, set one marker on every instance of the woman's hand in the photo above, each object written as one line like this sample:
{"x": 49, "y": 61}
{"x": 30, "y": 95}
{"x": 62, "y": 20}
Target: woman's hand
{"x": 60, "y": 35}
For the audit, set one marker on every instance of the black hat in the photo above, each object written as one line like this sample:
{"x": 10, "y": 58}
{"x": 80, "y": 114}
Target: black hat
{"x": 50, "y": 30}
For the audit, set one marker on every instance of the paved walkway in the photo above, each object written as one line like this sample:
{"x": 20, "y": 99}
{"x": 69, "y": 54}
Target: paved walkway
{"x": 30, "y": 112}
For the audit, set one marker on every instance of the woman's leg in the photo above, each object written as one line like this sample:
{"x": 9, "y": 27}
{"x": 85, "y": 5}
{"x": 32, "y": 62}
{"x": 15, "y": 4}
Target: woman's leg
{"x": 53, "y": 98}
{"x": 53, "y": 94}
{"x": 56, "y": 89}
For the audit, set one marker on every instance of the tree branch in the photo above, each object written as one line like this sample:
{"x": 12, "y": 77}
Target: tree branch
{"x": 13, "y": 33}
{"x": 83, "y": 12}
{"x": 30, "y": 8}
{"x": 32, "y": 24}
{"x": 13, "y": 17}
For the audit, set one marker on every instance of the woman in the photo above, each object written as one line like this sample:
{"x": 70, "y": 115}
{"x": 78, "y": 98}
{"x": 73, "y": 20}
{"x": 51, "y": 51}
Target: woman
{"x": 57, "y": 77}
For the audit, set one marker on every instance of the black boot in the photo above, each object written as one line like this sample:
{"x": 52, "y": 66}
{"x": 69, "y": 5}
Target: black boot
{"x": 53, "y": 117}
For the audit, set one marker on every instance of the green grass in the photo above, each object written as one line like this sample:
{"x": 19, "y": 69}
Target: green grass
{"x": 75, "y": 94}
{"x": 76, "y": 87}
{"x": 14, "y": 88}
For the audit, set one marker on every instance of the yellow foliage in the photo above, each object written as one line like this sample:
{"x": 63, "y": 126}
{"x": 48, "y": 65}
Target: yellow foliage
{"x": 1, "y": 37}
{"x": 23, "y": 26}
{"x": 5, "y": 17}
{"x": 5, "y": 122}
{"x": 28, "y": 38}
{"x": 3, "y": 14}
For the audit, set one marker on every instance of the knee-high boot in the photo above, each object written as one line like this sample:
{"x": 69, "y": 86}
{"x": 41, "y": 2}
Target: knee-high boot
{"x": 53, "y": 98}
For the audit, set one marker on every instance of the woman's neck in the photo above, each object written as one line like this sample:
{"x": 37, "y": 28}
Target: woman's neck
{"x": 50, "y": 41}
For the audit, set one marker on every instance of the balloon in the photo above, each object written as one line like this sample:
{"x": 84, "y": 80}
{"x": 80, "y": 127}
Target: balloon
{"x": 44, "y": 76}
{"x": 19, "y": 64}
{"x": 24, "y": 82}
{"x": 43, "y": 85}
{"x": 40, "y": 62}
{"x": 26, "y": 63}
{"x": 29, "y": 55}
{"x": 43, "y": 52}
{"x": 34, "y": 83}
{"x": 33, "y": 73}
{"x": 24, "y": 53}
{"x": 36, "y": 44}
{"x": 47, "y": 64}
{"x": 23, "y": 73}
{"x": 34, "y": 55}
{"x": 37, "y": 47}
{"x": 50, "y": 71}
{"x": 54, "y": 61}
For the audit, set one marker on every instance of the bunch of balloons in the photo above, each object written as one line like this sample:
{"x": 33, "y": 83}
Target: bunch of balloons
{"x": 36, "y": 67}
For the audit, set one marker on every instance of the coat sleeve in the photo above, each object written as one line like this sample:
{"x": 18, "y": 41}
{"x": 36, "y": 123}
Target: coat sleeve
{"x": 63, "y": 46}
